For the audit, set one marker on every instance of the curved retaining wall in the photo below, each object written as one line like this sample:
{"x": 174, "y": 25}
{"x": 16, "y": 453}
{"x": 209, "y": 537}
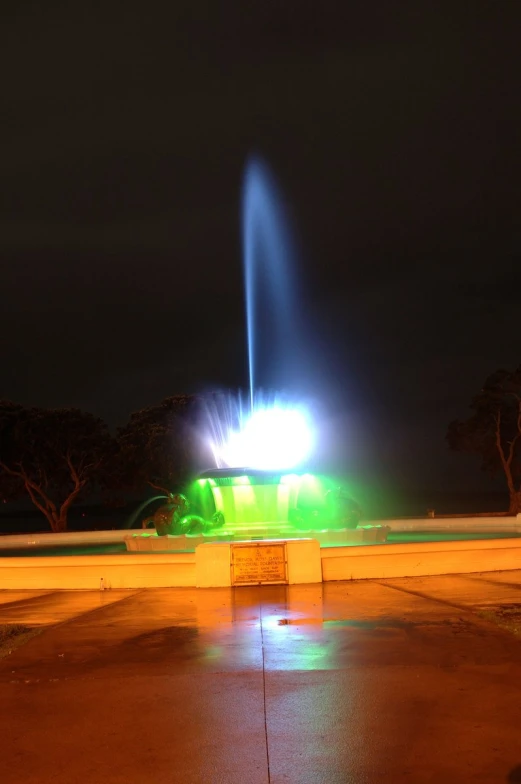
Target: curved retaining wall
{"x": 155, "y": 570}
{"x": 477, "y": 523}
{"x": 463, "y": 523}
{"x": 69, "y": 539}
{"x": 99, "y": 571}
{"x": 420, "y": 558}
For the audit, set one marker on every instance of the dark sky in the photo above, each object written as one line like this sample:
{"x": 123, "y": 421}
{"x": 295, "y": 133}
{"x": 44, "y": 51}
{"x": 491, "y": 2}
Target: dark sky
{"x": 393, "y": 130}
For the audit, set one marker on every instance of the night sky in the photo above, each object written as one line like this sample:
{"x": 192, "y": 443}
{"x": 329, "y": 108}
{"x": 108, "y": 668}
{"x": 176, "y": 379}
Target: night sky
{"x": 393, "y": 130}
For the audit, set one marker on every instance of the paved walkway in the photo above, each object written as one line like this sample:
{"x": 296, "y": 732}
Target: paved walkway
{"x": 341, "y": 683}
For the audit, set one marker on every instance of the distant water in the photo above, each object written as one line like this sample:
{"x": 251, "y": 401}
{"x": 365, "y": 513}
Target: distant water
{"x": 410, "y": 505}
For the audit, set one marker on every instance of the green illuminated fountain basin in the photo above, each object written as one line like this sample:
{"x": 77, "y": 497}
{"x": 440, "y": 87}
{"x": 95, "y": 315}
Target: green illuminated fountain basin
{"x": 244, "y": 504}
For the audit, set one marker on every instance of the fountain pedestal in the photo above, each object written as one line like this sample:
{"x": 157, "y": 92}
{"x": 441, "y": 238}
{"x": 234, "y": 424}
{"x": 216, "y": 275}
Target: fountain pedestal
{"x": 275, "y": 561}
{"x": 149, "y": 541}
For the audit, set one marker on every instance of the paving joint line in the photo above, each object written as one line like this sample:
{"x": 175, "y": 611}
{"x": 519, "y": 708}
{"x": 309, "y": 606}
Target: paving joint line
{"x": 473, "y": 611}
{"x": 421, "y": 595}
{"x": 26, "y": 599}
{"x": 264, "y": 694}
{"x": 489, "y": 581}
{"x": 87, "y": 612}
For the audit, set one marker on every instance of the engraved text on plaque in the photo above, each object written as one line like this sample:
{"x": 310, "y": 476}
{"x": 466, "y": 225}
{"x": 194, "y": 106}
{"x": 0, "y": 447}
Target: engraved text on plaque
{"x": 262, "y": 562}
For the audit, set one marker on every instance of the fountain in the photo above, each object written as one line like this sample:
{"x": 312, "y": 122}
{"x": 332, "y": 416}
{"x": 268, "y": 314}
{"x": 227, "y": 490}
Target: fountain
{"x": 260, "y": 443}
{"x": 246, "y": 504}
{"x": 260, "y": 514}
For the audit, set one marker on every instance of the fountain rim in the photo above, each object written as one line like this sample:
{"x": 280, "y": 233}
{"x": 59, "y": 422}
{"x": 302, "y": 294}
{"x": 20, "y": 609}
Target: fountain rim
{"x": 258, "y": 475}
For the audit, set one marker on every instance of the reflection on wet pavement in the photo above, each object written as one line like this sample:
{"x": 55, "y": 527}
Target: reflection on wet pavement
{"x": 359, "y": 681}
{"x": 292, "y": 628}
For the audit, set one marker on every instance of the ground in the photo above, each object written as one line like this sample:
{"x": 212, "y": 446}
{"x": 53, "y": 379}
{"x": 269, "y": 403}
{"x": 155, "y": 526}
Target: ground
{"x": 413, "y": 680}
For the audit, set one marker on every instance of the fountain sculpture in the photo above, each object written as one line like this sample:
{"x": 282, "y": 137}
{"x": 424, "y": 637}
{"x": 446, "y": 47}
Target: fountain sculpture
{"x": 258, "y": 488}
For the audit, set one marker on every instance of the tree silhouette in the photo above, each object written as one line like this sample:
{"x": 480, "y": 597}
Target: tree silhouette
{"x": 494, "y": 430}
{"x": 51, "y": 455}
{"x": 157, "y": 447}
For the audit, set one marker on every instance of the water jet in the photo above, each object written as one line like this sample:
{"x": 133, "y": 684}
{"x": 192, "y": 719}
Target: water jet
{"x": 260, "y": 488}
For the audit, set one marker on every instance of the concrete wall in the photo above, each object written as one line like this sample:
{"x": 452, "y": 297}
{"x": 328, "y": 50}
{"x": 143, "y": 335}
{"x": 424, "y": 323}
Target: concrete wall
{"x": 158, "y": 570}
{"x": 416, "y": 559}
{"x": 69, "y": 539}
{"x": 477, "y": 523}
{"x": 107, "y": 571}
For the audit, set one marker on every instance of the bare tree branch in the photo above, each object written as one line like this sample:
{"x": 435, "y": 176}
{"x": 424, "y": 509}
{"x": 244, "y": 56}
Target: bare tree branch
{"x": 506, "y": 461}
{"x": 44, "y": 509}
{"x": 37, "y": 495}
{"x": 159, "y": 487}
{"x": 52, "y": 454}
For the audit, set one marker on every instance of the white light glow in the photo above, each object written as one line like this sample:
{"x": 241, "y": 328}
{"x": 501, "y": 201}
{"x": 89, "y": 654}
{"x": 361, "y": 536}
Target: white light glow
{"x": 270, "y": 439}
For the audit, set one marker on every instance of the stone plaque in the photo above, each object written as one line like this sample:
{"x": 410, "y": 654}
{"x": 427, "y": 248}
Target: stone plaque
{"x": 259, "y": 562}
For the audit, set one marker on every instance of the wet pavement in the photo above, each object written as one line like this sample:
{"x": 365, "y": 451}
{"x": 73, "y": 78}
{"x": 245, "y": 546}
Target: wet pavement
{"x": 41, "y": 608}
{"x": 362, "y": 682}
